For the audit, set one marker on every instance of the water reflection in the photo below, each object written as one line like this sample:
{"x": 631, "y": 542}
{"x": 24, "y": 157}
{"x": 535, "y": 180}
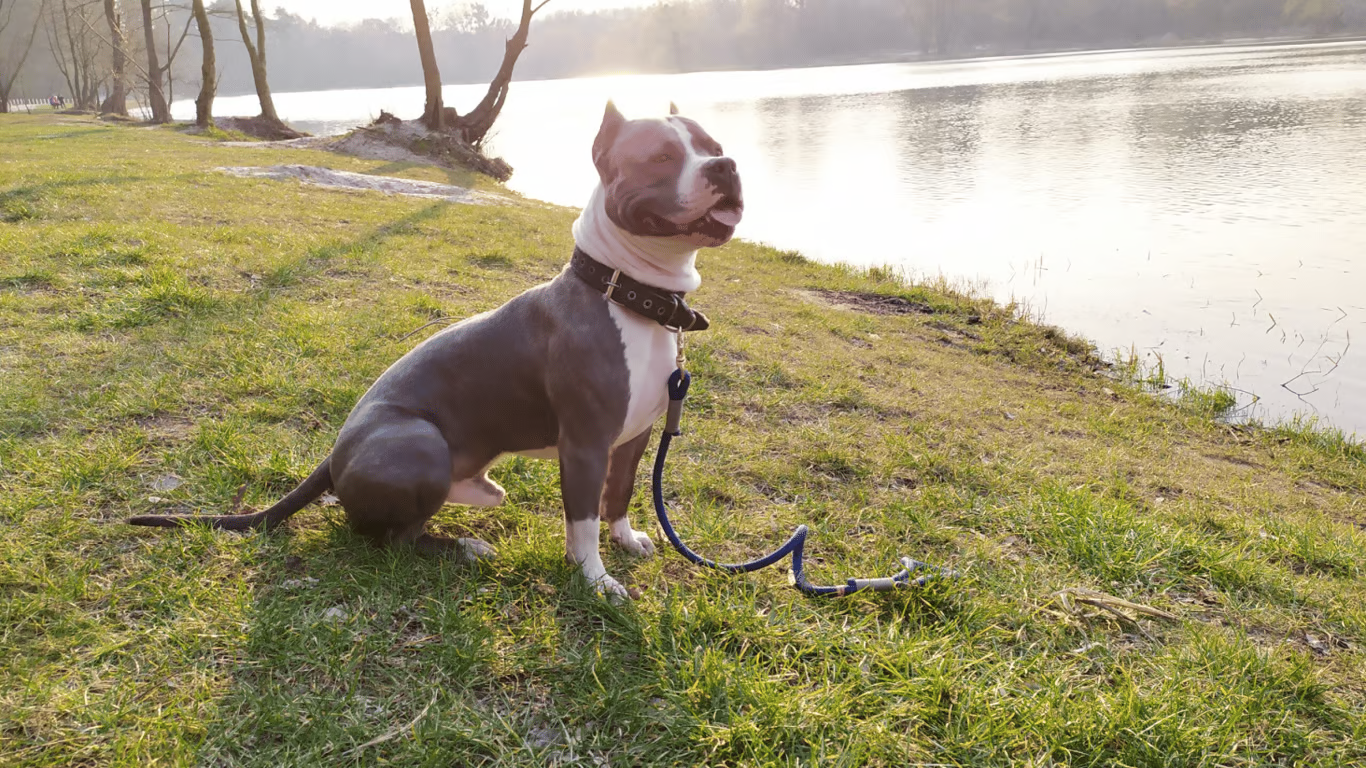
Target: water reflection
{"x": 1206, "y": 206}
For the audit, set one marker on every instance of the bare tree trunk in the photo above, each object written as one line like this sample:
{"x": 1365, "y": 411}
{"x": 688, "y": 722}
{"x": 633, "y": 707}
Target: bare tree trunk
{"x": 257, "y": 54}
{"x": 117, "y": 102}
{"x": 474, "y": 127}
{"x": 15, "y": 66}
{"x": 203, "y": 104}
{"x": 161, "y": 112}
{"x": 431, "y": 76}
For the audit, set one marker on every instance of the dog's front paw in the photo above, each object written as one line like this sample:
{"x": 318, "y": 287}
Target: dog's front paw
{"x": 610, "y": 588}
{"x": 597, "y": 578}
{"x": 635, "y": 542}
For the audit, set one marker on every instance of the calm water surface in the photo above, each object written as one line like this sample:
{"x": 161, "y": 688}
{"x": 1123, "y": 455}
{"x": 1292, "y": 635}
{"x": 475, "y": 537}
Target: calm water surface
{"x": 1202, "y": 206}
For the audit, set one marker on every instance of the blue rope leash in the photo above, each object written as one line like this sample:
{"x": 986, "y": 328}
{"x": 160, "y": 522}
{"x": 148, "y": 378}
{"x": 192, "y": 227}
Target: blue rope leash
{"x": 678, "y": 390}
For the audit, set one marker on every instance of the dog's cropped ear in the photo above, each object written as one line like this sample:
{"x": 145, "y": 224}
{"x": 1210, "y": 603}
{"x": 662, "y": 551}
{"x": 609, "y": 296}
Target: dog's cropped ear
{"x": 612, "y": 121}
{"x": 673, "y": 108}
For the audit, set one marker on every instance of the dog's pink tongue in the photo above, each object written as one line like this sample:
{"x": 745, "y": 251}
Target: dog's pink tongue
{"x": 728, "y": 216}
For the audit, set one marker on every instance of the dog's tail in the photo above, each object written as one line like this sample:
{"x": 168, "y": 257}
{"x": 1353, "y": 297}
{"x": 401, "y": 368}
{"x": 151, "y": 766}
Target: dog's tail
{"x": 316, "y": 485}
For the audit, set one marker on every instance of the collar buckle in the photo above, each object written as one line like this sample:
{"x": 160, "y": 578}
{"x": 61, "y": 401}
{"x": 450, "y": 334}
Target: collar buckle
{"x": 613, "y": 285}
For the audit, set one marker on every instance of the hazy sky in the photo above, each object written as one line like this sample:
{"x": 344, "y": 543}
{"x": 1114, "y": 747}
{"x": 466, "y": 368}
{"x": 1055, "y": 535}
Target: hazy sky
{"x": 342, "y": 11}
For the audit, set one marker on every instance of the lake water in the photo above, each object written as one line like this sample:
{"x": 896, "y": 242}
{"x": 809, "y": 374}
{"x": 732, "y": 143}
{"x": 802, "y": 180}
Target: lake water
{"x": 1206, "y": 206}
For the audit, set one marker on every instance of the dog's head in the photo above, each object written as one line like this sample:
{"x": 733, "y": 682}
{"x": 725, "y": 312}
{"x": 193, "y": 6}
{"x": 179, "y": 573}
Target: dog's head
{"x": 667, "y": 178}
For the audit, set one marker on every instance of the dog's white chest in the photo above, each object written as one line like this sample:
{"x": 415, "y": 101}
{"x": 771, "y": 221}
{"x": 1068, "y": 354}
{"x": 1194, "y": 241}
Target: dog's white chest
{"x": 651, "y": 356}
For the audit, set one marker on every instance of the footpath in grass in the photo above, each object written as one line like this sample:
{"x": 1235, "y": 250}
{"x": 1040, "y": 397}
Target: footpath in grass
{"x": 169, "y": 334}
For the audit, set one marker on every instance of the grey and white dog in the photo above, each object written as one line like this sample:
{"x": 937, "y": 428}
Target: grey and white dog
{"x": 558, "y": 372}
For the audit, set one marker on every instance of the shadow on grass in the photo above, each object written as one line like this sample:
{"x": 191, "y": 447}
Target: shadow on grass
{"x": 310, "y": 263}
{"x": 23, "y": 203}
{"x": 458, "y": 664}
{"x": 26, "y": 139}
{"x": 516, "y": 661}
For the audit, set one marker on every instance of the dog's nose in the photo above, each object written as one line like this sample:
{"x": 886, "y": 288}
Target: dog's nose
{"x": 721, "y": 167}
{"x": 721, "y": 173}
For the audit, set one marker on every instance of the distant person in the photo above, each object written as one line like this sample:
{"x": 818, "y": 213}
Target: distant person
{"x": 61, "y": 101}
{"x": 52, "y": 101}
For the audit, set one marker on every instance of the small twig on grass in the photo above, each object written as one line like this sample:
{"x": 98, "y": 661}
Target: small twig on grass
{"x": 395, "y": 732}
{"x": 424, "y": 326}
{"x": 1111, "y": 604}
{"x": 1124, "y": 618}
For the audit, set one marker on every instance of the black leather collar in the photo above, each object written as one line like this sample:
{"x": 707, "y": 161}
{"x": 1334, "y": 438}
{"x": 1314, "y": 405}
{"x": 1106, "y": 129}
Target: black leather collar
{"x": 664, "y": 307}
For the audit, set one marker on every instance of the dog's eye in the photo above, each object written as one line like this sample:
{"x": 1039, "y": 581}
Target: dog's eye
{"x": 662, "y": 157}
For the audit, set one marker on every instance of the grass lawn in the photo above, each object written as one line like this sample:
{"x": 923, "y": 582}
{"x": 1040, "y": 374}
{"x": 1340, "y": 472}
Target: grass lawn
{"x": 169, "y": 334}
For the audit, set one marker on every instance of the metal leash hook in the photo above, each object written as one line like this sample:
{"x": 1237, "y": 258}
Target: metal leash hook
{"x": 678, "y": 390}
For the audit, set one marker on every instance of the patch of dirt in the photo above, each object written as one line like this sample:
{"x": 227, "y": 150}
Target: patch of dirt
{"x": 167, "y": 427}
{"x": 1016, "y": 548}
{"x": 259, "y": 127}
{"x": 390, "y": 185}
{"x": 389, "y": 133}
{"x": 1315, "y": 642}
{"x": 804, "y": 414}
{"x": 871, "y": 303}
{"x": 113, "y": 118}
{"x": 388, "y": 139}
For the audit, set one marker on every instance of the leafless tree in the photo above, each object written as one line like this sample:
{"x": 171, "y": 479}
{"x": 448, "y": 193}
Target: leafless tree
{"x": 473, "y": 127}
{"x": 14, "y": 54}
{"x": 431, "y": 75}
{"x": 208, "y": 85}
{"x": 76, "y": 48}
{"x": 173, "y": 49}
{"x": 117, "y": 101}
{"x": 256, "y": 52}
{"x": 161, "y": 111}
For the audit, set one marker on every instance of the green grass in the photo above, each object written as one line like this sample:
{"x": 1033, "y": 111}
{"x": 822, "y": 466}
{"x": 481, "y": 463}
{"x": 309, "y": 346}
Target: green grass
{"x": 158, "y": 318}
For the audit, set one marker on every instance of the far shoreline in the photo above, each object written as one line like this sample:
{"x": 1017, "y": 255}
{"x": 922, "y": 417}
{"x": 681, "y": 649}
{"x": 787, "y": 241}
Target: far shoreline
{"x": 883, "y": 58}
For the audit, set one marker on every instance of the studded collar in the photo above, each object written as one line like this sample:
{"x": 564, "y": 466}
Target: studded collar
{"x": 656, "y": 304}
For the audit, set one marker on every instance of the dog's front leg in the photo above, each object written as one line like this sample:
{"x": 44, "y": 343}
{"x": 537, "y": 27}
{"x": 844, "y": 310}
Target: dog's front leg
{"x": 583, "y": 471}
{"x": 616, "y": 497}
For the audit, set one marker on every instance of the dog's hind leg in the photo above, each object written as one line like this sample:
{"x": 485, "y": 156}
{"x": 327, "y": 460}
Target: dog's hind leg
{"x": 469, "y": 550}
{"x": 392, "y": 480}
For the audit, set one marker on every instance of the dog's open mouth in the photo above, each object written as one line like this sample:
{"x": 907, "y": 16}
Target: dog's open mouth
{"x": 718, "y": 225}
{"x": 727, "y": 212}
{"x": 723, "y": 217}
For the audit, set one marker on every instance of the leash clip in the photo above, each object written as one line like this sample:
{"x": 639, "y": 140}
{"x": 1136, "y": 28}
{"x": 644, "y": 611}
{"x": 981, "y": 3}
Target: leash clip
{"x": 682, "y": 359}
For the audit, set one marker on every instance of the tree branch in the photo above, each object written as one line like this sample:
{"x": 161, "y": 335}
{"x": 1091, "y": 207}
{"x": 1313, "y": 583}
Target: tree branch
{"x": 170, "y": 54}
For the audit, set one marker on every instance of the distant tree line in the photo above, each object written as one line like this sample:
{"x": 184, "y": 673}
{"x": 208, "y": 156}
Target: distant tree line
{"x": 72, "y": 46}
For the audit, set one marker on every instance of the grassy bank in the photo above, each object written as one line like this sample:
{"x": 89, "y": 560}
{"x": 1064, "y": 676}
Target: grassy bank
{"x": 172, "y": 332}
